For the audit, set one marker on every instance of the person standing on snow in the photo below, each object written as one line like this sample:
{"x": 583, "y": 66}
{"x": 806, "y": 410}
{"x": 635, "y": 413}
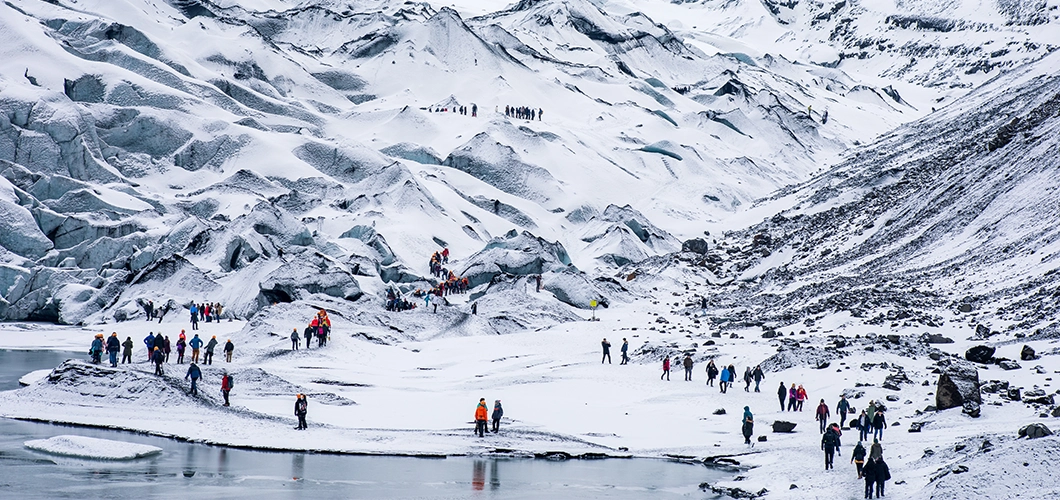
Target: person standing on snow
{"x": 748, "y": 425}
{"x": 793, "y": 397}
{"x": 868, "y": 472}
{"x": 182, "y": 344}
{"x": 113, "y": 346}
{"x": 607, "y": 352}
{"x": 844, "y": 407}
{"x": 858, "y": 458}
{"x": 759, "y": 376}
{"x": 625, "y": 350}
{"x": 782, "y": 393}
{"x": 498, "y": 412}
{"x": 829, "y": 443}
{"x": 301, "y": 408}
{"x": 127, "y": 348}
{"x": 308, "y": 336}
{"x": 883, "y": 474}
{"x": 226, "y": 386}
{"x": 822, "y": 415}
{"x": 747, "y": 377}
{"x": 876, "y": 451}
{"x": 166, "y": 348}
{"x": 195, "y": 344}
{"x": 294, "y": 339}
{"x": 712, "y": 373}
{"x": 158, "y": 358}
{"x": 207, "y": 358}
{"x": 149, "y": 341}
{"x": 879, "y": 423}
{"x": 229, "y": 348}
{"x": 732, "y": 377}
{"x": 96, "y": 351}
{"x": 666, "y": 368}
{"x": 194, "y": 317}
{"x": 802, "y": 397}
{"x": 481, "y": 417}
{"x": 688, "y": 367}
{"x": 724, "y": 380}
{"x": 194, "y": 373}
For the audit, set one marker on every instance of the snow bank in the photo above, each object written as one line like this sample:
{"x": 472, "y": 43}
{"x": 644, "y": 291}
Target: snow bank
{"x": 93, "y": 448}
{"x": 33, "y": 377}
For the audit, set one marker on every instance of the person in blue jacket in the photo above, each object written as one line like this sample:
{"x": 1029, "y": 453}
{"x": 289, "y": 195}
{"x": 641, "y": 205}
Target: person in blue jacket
{"x": 195, "y": 344}
{"x": 748, "y": 425}
{"x": 723, "y": 382}
{"x": 194, "y": 373}
{"x": 97, "y": 348}
{"x": 113, "y": 346}
{"x": 149, "y": 340}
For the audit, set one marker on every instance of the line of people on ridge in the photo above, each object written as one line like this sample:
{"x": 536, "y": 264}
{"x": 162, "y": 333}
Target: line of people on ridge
{"x": 523, "y": 112}
{"x": 455, "y": 109}
{"x": 319, "y": 327}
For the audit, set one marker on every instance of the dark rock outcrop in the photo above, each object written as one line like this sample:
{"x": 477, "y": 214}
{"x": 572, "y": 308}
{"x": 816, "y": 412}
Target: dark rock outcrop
{"x": 783, "y": 426}
{"x": 957, "y": 385}
{"x": 979, "y": 354}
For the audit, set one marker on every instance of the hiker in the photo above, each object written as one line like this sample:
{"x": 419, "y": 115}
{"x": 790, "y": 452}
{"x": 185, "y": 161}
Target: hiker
{"x": 127, "y": 348}
{"x": 871, "y": 409}
{"x": 607, "y": 351}
{"x": 883, "y": 473}
{"x": 748, "y": 425}
{"x": 149, "y": 309}
{"x": 863, "y": 424}
{"x": 166, "y": 348}
{"x": 149, "y": 341}
{"x": 879, "y": 423}
{"x": 858, "y": 457}
{"x": 724, "y": 379}
{"x": 474, "y": 308}
{"x": 625, "y": 350}
{"x": 688, "y": 367}
{"x": 229, "y": 348}
{"x": 113, "y": 346}
{"x": 830, "y": 444}
{"x": 822, "y": 415}
{"x": 538, "y": 280}
{"x": 301, "y": 407}
{"x": 194, "y": 317}
{"x": 480, "y": 418}
{"x": 666, "y": 368}
{"x": 782, "y": 393}
{"x": 793, "y": 397}
{"x": 876, "y": 450}
{"x": 759, "y": 376}
{"x": 162, "y": 314}
{"x": 747, "y": 377}
{"x": 96, "y": 351}
{"x": 160, "y": 343}
{"x": 226, "y": 386}
{"x": 294, "y": 339}
{"x": 498, "y": 412}
{"x": 308, "y": 332}
{"x": 801, "y": 396}
{"x": 844, "y": 407}
{"x": 194, "y": 373}
{"x": 182, "y": 344}
{"x": 732, "y": 377}
{"x": 712, "y": 373}
{"x": 158, "y": 358}
{"x": 207, "y": 358}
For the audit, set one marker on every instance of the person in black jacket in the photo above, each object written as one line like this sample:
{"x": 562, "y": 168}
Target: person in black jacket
{"x": 207, "y": 358}
{"x": 300, "y": 410}
{"x": 883, "y": 473}
{"x": 879, "y": 423}
{"x": 158, "y": 358}
{"x": 498, "y": 412}
{"x": 868, "y": 472}
{"x": 829, "y": 443}
{"x": 607, "y": 351}
{"x": 308, "y": 332}
{"x": 759, "y": 376}
{"x": 126, "y": 355}
{"x": 113, "y": 346}
{"x": 858, "y": 457}
{"x": 712, "y": 372}
{"x": 782, "y": 393}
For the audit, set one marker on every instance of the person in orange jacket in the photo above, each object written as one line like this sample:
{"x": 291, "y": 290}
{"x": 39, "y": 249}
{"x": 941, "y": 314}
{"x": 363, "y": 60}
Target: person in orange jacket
{"x": 481, "y": 417}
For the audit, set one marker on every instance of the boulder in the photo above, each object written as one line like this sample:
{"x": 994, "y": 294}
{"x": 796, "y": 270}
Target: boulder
{"x": 1027, "y": 354}
{"x": 1008, "y": 364}
{"x": 762, "y": 439}
{"x": 934, "y": 338}
{"x": 783, "y": 426}
{"x": 1035, "y": 431}
{"x": 306, "y": 275}
{"x": 695, "y": 245}
{"x": 1056, "y": 412}
{"x": 1014, "y": 394}
{"x": 1037, "y": 396}
{"x": 770, "y": 334}
{"x": 719, "y": 411}
{"x": 958, "y": 384}
{"x": 916, "y": 426}
{"x": 971, "y": 408}
{"x": 979, "y": 354}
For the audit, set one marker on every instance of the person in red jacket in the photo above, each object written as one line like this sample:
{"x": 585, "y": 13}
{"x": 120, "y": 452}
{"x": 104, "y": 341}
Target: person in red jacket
{"x": 481, "y": 417}
{"x": 226, "y": 386}
{"x": 822, "y": 415}
{"x": 666, "y": 369}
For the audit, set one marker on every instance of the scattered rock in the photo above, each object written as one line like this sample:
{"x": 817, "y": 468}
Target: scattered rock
{"x": 783, "y": 426}
{"x": 824, "y": 364}
{"x": 892, "y": 398}
{"x": 793, "y": 487}
{"x": 959, "y": 447}
{"x": 1037, "y": 396}
{"x": 957, "y": 385}
{"x": 1027, "y": 354}
{"x": 1008, "y": 364}
{"x": 770, "y": 334}
{"x": 733, "y": 492}
{"x": 960, "y": 469}
{"x": 695, "y": 245}
{"x": 916, "y": 426}
{"x": 853, "y": 394}
{"x": 719, "y": 411}
{"x": 965, "y": 308}
{"x": 1056, "y": 411}
{"x": 971, "y": 408}
{"x": 934, "y": 338}
{"x": 762, "y": 439}
{"x": 1035, "y": 431}
{"x": 979, "y": 354}
{"x": 1013, "y": 394}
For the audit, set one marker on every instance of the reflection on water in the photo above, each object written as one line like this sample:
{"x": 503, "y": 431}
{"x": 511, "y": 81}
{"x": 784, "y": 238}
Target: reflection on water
{"x": 478, "y": 475}
{"x": 495, "y": 480}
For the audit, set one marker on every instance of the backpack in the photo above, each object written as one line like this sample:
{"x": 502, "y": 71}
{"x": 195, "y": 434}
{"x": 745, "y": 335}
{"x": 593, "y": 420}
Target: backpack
{"x": 231, "y": 381}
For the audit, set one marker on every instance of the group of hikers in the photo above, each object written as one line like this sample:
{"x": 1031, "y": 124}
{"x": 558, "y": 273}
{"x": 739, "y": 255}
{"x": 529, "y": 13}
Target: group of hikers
{"x": 153, "y": 312}
{"x": 319, "y": 327}
{"x": 448, "y": 283}
{"x": 455, "y": 109}
{"x": 870, "y": 465}
{"x": 523, "y": 112}
{"x": 482, "y": 414}
{"x": 796, "y": 396}
{"x": 207, "y": 312}
{"x": 159, "y": 349}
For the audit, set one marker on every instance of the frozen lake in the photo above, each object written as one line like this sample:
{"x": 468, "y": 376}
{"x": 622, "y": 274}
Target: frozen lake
{"x": 184, "y": 469}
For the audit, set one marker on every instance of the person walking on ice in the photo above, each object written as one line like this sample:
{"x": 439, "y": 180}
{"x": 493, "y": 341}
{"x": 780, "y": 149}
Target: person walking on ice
{"x": 195, "y": 344}
{"x": 481, "y": 418}
{"x": 113, "y": 346}
{"x": 127, "y": 348}
{"x": 830, "y": 444}
{"x": 300, "y": 409}
{"x": 229, "y": 348}
{"x": 782, "y": 393}
{"x": 294, "y": 339}
{"x": 226, "y": 386}
{"x": 822, "y": 415}
{"x": 759, "y": 376}
{"x": 712, "y": 373}
{"x": 625, "y": 350}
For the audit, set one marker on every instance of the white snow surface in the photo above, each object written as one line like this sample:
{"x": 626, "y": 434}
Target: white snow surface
{"x": 93, "y": 448}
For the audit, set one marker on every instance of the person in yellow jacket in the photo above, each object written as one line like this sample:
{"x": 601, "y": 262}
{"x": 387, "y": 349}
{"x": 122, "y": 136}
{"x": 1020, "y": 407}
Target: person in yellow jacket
{"x": 481, "y": 417}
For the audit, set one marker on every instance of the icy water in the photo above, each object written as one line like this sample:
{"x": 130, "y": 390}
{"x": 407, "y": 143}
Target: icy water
{"x": 199, "y": 471}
